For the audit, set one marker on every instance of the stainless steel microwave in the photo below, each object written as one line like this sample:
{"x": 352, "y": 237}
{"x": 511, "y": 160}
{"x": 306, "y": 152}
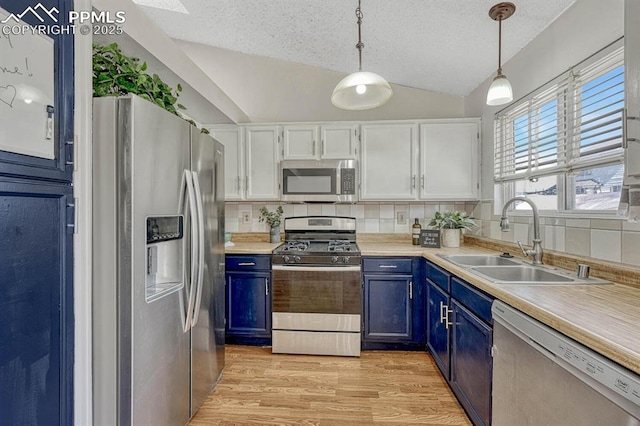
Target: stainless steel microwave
{"x": 331, "y": 181}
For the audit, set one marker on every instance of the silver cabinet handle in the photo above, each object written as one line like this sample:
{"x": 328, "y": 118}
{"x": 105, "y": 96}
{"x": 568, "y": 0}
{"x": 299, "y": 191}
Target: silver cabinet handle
{"x": 443, "y": 308}
{"x": 444, "y": 315}
{"x": 323, "y": 148}
{"x": 411, "y": 290}
{"x": 239, "y": 184}
{"x": 625, "y": 140}
{"x": 388, "y": 266}
{"x": 422, "y": 182}
{"x": 247, "y": 264}
{"x": 246, "y": 183}
{"x": 314, "y": 147}
{"x": 266, "y": 286}
{"x": 413, "y": 182}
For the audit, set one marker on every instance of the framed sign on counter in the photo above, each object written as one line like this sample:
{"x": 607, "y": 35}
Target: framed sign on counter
{"x": 430, "y": 238}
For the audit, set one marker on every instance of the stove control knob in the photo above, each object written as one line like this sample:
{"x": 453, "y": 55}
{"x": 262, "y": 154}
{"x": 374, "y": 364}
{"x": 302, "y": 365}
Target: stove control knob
{"x": 286, "y": 259}
{"x": 345, "y": 259}
{"x": 296, "y": 259}
{"x": 334, "y": 259}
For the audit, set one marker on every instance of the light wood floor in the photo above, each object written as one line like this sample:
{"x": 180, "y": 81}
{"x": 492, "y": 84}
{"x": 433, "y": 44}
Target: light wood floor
{"x": 379, "y": 388}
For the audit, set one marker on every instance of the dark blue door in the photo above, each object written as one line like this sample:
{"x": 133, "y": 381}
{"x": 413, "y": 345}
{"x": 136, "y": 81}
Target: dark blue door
{"x": 471, "y": 364}
{"x": 248, "y": 304}
{"x": 388, "y": 309}
{"x": 438, "y": 332}
{"x": 36, "y": 319}
{"x": 36, "y": 253}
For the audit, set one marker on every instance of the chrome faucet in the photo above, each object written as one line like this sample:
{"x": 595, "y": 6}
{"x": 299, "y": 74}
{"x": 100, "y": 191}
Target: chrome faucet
{"x": 536, "y": 250}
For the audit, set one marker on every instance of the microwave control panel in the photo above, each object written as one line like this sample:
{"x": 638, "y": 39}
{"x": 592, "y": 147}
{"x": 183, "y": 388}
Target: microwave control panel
{"x": 348, "y": 181}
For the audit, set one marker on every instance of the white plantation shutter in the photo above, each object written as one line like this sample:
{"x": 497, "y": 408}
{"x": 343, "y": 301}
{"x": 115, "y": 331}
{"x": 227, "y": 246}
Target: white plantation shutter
{"x": 571, "y": 123}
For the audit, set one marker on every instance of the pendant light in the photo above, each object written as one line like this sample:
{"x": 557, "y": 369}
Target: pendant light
{"x": 500, "y": 91}
{"x": 361, "y": 90}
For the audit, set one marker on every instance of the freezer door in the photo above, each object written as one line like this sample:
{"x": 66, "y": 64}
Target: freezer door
{"x": 154, "y": 155}
{"x": 207, "y": 333}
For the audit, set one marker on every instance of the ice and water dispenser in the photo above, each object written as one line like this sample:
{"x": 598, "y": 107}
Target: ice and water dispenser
{"x": 165, "y": 256}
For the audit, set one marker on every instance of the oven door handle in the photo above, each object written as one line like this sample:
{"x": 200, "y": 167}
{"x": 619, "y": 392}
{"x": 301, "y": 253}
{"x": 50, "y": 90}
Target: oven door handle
{"x": 317, "y": 268}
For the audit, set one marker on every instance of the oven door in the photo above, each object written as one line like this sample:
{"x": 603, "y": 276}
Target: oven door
{"x": 316, "y": 289}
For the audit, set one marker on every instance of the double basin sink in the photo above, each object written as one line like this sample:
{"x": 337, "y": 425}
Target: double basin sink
{"x": 502, "y": 270}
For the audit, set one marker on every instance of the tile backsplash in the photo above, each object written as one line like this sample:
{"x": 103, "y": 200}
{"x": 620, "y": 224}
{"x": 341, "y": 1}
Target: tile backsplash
{"x": 612, "y": 239}
{"x": 371, "y": 217}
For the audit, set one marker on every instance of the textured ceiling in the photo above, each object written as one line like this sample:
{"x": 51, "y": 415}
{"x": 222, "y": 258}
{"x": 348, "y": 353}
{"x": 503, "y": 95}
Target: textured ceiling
{"x": 448, "y": 46}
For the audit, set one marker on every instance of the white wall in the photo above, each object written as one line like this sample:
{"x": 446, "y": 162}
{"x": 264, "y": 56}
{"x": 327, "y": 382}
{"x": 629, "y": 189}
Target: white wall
{"x": 271, "y": 90}
{"x": 583, "y": 29}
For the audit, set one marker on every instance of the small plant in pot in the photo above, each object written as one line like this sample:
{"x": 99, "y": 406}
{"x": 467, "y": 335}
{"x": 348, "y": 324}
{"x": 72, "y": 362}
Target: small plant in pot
{"x": 451, "y": 224}
{"x": 273, "y": 220}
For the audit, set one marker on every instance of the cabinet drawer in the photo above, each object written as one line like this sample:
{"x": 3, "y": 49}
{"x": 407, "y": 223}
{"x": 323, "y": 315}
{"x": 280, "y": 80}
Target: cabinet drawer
{"x": 438, "y": 276}
{"x": 386, "y": 264}
{"x": 473, "y": 299}
{"x": 248, "y": 263}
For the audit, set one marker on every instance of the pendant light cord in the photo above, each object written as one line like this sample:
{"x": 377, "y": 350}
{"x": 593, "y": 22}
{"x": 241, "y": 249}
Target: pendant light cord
{"x": 500, "y": 45}
{"x": 360, "y": 45}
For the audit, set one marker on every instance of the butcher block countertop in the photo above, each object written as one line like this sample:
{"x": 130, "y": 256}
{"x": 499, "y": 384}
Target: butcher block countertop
{"x": 605, "y": 318}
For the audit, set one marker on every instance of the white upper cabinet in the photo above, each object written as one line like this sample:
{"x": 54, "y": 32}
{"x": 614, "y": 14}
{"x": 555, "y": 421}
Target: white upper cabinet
{"x": 318, "y": 142}
{"x": 449, "y": 160}
{"x": 262, "y": 163}
{"x": 338, "y": 141}
{"x": 300, "y": 143}
{"x": 232, "y": 137}
{"x": 632, "y": 89}
{"x": 388, "y": 170}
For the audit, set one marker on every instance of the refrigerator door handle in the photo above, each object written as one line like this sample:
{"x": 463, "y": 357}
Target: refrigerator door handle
{"x": 187, "y": 187}
{"x": 200, "y": 215}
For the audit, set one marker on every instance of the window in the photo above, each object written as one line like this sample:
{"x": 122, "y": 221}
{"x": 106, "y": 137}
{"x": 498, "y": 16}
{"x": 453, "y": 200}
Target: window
{"x": 561, "y": 146}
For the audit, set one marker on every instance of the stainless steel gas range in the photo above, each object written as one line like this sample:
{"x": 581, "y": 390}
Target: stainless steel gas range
{"x": 316, "y": 288}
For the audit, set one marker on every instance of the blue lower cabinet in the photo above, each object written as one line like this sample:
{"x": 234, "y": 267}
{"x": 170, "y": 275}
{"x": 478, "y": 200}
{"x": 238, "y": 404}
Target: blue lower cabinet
{"x": 459, "y": 337}
{"x": 388, "y": 307}
{"x": 393, "y": 303}
{"x": 472, "y": 364}
{"x": 438, "y": 331}
{"x": 248, "y": 301}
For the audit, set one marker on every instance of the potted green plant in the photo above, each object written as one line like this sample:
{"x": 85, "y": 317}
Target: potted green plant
{"x": 451, "y": 223}
{"x": 273, "y": 220}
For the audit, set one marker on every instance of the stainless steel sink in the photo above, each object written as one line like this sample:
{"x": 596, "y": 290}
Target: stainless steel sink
{"x": 525, "y": 274}
{"x": 480, "y": 260}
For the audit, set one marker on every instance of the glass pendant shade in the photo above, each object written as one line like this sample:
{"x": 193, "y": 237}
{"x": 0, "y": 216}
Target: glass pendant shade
{"x": 361, "y": 90}
{"x": 500, "y": 91}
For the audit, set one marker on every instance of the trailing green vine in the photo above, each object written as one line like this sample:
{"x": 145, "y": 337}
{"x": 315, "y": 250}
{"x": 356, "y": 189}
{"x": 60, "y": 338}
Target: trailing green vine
{"x": 116, "y": 74}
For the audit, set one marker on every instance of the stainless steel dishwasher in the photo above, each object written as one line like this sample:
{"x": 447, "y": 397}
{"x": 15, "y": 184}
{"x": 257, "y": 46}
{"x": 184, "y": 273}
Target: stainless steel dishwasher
{"x": 541, "y": 377}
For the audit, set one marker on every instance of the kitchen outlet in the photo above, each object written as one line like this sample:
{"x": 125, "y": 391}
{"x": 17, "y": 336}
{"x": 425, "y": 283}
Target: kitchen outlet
{"x": 401, "y": 217}
{"x": 246, "y": 217}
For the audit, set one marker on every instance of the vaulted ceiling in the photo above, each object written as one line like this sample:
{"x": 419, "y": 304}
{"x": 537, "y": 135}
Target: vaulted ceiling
{"x": 447, "y": 46}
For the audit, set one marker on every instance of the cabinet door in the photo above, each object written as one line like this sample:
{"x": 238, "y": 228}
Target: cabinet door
{"x": 262, "y": 168}
{"x": 300, "y": 143}
{"x": 449, "y": 160}
{"x": 437, "y": 331}
{"x": 471, "y": 364}
{"x": 388, "y": 309}
{"x": 232, "y": 139}
{"x": 389, "y": 161}
{"x": 249, "y": 304}
{"x": 338, "y": 142}
{"x": 632, "y": 88}
{"x": 36, "y": 303}
{"x": 36, "y": 92}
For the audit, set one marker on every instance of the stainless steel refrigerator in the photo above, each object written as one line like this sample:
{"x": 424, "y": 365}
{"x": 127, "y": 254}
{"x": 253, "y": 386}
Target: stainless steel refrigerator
{"x": 158, "y": 264}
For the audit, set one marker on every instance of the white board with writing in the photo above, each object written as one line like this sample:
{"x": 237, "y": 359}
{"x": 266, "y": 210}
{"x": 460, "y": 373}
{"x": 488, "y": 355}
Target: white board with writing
{"x": 26, "y": 91}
